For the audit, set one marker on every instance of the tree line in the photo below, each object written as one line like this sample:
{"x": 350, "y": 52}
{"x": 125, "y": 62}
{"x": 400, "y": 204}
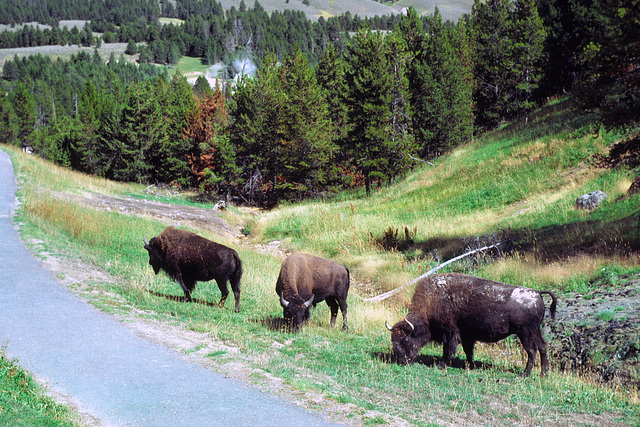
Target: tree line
{"x": 208, "y": 32}
{"x": 362, "y": 110}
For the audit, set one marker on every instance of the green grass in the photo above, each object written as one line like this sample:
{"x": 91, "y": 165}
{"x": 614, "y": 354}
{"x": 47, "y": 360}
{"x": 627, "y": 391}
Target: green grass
{"x": 188, "y": 65}
{"x": 24, "y": 403}
{"x": 446, "y": 206}
{"x": 516, "y": 183}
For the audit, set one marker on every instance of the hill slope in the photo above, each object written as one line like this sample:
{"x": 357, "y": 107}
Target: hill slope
{"x": 518, "y": 183}
{"x": 450, "y": 9}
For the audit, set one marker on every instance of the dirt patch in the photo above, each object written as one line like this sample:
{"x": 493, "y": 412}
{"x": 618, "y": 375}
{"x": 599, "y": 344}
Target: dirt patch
{"x": 175, "y": 215}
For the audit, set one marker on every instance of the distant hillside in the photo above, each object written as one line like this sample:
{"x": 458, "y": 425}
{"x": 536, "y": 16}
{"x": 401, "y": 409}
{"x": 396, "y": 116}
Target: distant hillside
{"x": 450, "y": 9}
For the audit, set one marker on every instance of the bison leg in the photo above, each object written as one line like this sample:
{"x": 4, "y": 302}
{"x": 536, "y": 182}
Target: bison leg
{"x": 333, "y": 305}
{"x": 235, "y": 286}
{"x": 467, "y": 345}
{"x": 186, "y": 287}
{"x": 449, "y": 346}
{"x": 528, "y": 343}
{"x": 541, "y": 344}
{"x": 236, "y": 294}
{"x": 222, "y": 285}
{"x": 343, "y": 308}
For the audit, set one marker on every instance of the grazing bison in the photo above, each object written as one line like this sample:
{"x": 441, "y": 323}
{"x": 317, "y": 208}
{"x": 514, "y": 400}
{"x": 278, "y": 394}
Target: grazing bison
{"x": 305, "y": 280}
{"x": 453, "y": 308}
{"x": 187, "y": 258}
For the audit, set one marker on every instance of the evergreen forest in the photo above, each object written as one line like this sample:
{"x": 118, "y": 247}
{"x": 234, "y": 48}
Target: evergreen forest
{"x": 339, "y": 103}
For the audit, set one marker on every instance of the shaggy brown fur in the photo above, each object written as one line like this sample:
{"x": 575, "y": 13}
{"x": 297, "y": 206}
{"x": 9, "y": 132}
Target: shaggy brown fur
{"x": 454, "y": 308}
{"x": 187, "y": 258}
{"x": 305, "y": 280}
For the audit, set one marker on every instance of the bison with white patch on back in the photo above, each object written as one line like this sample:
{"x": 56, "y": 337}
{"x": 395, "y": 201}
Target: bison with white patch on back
{"x": 187, "y": 258}
{"x": 454, "y": 308}
{"x": 305, "y": 280}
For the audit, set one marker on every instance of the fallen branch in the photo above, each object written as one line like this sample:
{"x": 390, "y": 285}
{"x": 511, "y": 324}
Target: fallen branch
{"x": 430, "y": 272}
{"x": 420, "y": 160}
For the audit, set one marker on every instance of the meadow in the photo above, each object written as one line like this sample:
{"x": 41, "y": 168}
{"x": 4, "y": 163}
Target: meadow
{"x": 518, "y": 183}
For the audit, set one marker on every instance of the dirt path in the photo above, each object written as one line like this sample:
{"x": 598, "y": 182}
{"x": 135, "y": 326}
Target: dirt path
{"x": 176, "y": 215}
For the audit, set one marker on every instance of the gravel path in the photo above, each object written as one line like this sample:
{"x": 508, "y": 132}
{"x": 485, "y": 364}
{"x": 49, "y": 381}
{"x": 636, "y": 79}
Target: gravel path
{"x": 106, "y": 370}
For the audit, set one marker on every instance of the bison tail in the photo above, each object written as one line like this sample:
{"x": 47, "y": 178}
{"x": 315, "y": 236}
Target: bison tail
{"x": 554, "y": 303}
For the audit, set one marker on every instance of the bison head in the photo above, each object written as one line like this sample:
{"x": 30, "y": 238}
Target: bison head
{"x": 154, "y": 247}
{"x": 296, "y": 311}
{"x": 407, "y": 340}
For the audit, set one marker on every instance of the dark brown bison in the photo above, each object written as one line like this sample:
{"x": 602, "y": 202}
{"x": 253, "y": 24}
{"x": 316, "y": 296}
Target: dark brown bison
{"x": 305, "y": 280}
{"x": 453, "y": 308}
{"x": 187, "y": 258}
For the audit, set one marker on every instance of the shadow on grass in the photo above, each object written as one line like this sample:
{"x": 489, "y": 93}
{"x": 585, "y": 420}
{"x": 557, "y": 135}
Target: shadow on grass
{"x": 431, "y": 361}
{"x": 550, "y": 243}
{"x": 182, "y": 299}
{"x": 273, "y": 323}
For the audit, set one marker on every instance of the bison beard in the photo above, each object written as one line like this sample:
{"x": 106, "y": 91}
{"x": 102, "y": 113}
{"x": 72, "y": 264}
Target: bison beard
{"x": 305, "y": 280}
{"x": 188, "y": 258}
{"x": 454, "y": 308}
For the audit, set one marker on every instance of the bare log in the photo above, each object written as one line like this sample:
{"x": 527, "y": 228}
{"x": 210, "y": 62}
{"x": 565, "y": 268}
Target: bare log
{"x": 386, "y": 295}
{"x": 419, "y": 160}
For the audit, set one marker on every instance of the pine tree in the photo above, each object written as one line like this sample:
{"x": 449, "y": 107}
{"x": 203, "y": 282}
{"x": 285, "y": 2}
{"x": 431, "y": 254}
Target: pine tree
{"x": 177, "y": 101}
{"x": 143, "y": 131}
{"x": 494, "y": 58}
{"x": 307, "y": 133}
{"x": 441, "y": 92}
{"x": 257, "y": 118}
{"x": 86, "y": 150}
{"x": 401, "y": 144}
{"x": 24, "y": 106}
{"x": 202, "y": 86}
{"x": 8, "y": 120}
{"x": 528, "y": 35}
{"x": 212, "y": 158}
{"x": 330, "y": 74}
{"x": 610, "y": 62}
{"x": 370, "y": 86}
{"x": 132, "y": 47}
{"x": 282, "y": 130}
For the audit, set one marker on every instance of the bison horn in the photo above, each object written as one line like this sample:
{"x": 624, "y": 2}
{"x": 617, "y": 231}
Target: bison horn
{"x": 387, "y": 325}
{"x": 308, "y": 303}
{"x": 144, "y": 239}
{"x": 413, "y": 328}
{"x": 283, "y": 302}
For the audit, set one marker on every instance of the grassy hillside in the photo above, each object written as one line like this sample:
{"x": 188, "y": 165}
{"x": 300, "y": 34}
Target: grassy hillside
{"x": 450, "y": 9}
{"x": 64, "y": 52}
{"x": 318, "y": 8}
{"x": 517, "y": 183}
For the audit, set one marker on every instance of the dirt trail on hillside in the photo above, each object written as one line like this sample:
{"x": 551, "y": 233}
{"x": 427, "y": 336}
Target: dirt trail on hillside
{"x": 176, "y": 215}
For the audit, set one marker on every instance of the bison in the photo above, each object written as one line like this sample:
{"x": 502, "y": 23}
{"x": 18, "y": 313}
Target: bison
{"x": 187, "y": 258}
{"x": 453, "y": 308}
{"x": 305, "y": 280}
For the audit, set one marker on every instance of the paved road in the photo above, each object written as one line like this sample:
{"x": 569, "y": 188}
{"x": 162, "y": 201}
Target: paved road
{"x": 112, "y": 374}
